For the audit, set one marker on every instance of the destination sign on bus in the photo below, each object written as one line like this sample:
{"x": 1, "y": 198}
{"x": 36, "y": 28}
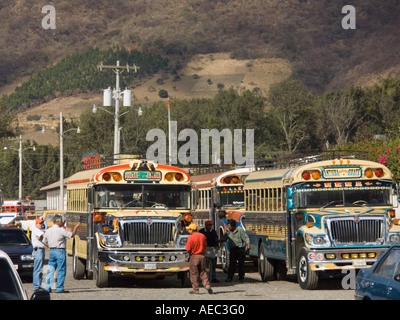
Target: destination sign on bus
{"x": 142, "y": 175}
{"x": 335, "y": 173}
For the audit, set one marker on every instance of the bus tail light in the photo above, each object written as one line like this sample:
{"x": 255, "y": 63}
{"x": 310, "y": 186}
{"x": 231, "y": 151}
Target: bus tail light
{"x": 369, "y": 173}
{"x": 227, "y": 180}
{"x": 106, "y": 176}
{"x": 306, "y": 175}
{"x": 316, "y": 175}
{"x": 169, "y": 176}
{"x": 379, "y": 172}
{"x": 235, "y": 180}
{"x": 117, "y": 176}
{"x": 392, "y": 213}
{"x": 178, "y": 176}
{"x": 98, "y": 217}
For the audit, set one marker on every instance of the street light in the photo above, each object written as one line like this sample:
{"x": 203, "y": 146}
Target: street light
{"x": 20, "y": 153}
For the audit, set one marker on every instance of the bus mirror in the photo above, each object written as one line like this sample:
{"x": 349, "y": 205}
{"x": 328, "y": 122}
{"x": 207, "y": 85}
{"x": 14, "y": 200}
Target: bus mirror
{"x": 215, "y": 198}
{"x": 90, "y": 195}
{"x": 196, "y": 197}
{"x": 290, "y": 202}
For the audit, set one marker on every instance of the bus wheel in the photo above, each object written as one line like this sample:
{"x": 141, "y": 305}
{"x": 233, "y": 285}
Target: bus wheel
{"x": 307, "y": 278}
{"x": 78, "y": 266}
{"x": 184, "y": 277}
{"x": 101, "y": 275}
{"x": 225, "y": 257}
{"x": 265, "y": 267}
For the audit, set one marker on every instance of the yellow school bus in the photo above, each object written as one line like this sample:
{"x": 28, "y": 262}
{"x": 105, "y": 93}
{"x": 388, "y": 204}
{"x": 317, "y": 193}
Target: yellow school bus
{"x": 321, "y": 217}
{"x": 131, "y": 221}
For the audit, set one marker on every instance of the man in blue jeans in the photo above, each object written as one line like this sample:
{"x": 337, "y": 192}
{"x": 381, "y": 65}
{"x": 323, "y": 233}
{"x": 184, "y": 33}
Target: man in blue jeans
{"x": 38, "y": 253}
{"x": 56, "y": 237}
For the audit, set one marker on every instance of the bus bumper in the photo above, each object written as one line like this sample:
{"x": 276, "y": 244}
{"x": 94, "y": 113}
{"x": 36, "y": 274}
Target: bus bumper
{"x": 138, "y": 261}
{"x": 344, "y": 258}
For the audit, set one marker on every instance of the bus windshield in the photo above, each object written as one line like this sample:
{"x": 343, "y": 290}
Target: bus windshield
{"x": 144, "y": 196}
{"x": 322, "y": 198}
{"x": 231, "y": 196}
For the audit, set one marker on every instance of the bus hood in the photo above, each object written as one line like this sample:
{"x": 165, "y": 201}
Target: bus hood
{"x": 147, "y": 213}
{"x": 317, "y": 217}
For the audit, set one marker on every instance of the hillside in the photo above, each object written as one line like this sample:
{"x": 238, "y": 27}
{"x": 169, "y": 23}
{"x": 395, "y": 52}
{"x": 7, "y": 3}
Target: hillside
{"x": 193, "y": 83}
{"x": 308, "y": 33}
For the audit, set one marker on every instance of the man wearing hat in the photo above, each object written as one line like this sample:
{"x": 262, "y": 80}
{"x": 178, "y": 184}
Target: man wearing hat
{"x": 212, "y": 246}
{"x": 196, "y": 246}
{"x": 38, "y": 253}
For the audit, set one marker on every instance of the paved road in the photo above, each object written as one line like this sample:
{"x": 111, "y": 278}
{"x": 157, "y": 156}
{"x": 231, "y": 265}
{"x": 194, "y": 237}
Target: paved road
{"x": 170, "y": 289}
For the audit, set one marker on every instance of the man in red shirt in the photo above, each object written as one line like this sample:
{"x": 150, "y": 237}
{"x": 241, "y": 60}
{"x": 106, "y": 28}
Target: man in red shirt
{"x": 196, "y": 246}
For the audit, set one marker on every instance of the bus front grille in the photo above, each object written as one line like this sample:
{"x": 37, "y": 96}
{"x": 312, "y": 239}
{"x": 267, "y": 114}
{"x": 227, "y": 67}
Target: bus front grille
{"x": 148, "y": 233}
{"x": 354, "y": 230}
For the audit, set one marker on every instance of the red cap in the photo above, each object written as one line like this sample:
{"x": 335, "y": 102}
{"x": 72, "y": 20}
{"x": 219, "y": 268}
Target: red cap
{"x": 208, "y": 222}
{"x": 38, "y": 220}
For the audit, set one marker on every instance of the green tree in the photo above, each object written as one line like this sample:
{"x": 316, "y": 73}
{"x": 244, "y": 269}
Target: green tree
{"x": 292, "y": 107}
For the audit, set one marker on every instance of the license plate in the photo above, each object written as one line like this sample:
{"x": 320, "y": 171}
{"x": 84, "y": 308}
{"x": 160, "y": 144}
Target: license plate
{"x": 150, "y": 266}
{"x": 359, "y": 263}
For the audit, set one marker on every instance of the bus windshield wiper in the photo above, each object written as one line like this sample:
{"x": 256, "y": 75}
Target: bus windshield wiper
{"x": 328, "y": 204}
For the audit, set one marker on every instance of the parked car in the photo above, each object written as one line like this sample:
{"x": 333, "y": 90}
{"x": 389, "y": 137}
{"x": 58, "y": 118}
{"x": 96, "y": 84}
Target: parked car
{"x": 17, "y": 245}
{"x": 11, "y": 287}
{"x": 382, "y": 280}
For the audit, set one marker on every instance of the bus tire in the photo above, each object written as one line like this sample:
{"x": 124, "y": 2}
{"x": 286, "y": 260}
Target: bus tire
{"x": 307, "y": 278}
{"x": 265, "y": 267}
{"x": 225, "y": 257}
{"x": 78, "y": 266}
{"x": 185, "y": 280}
{"x": 102, "y": 276}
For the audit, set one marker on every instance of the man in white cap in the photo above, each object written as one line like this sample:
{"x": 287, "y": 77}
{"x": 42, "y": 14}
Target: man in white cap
{"x": 38, "y": 253}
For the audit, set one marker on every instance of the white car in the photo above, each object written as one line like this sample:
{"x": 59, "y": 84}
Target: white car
{"x": 11, "y": 287}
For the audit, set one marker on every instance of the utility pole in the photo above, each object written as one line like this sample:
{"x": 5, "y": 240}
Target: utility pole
{"x": 117, "y": 96}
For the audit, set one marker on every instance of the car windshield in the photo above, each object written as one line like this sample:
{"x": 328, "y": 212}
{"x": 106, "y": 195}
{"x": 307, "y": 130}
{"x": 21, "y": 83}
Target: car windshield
{"x": 9, "y": 288}
{"x": 307, "y": 196}
{"x": 10, "y": 237}
{"x": 142, "y": 196}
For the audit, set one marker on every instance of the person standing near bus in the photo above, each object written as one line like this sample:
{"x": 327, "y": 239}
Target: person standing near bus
{"x": 239, "y": 242}
{"x": 212, "y": 246}
{"x": 38, "y": 253}
{"x": 56, "y": 237}
{"x": 196, "y": 246}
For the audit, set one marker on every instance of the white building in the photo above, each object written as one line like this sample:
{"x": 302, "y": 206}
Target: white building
{"x": 53, "y": 195}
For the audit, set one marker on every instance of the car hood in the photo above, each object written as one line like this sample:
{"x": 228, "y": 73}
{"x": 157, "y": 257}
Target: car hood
{"x": 21, "y": 249}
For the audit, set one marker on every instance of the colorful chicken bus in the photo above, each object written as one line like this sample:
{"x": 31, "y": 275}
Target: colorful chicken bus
{"x": 322, "y": 217}
{"x": 131, "y": 221}
{"x": 219, "y": 197}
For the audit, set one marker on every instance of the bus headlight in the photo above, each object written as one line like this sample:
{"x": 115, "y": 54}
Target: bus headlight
{"x": 394, "y": 238}
{"x": 182, "y": 241}
{"x": 110, "y": 241}
{"x": 317, "y": 240}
